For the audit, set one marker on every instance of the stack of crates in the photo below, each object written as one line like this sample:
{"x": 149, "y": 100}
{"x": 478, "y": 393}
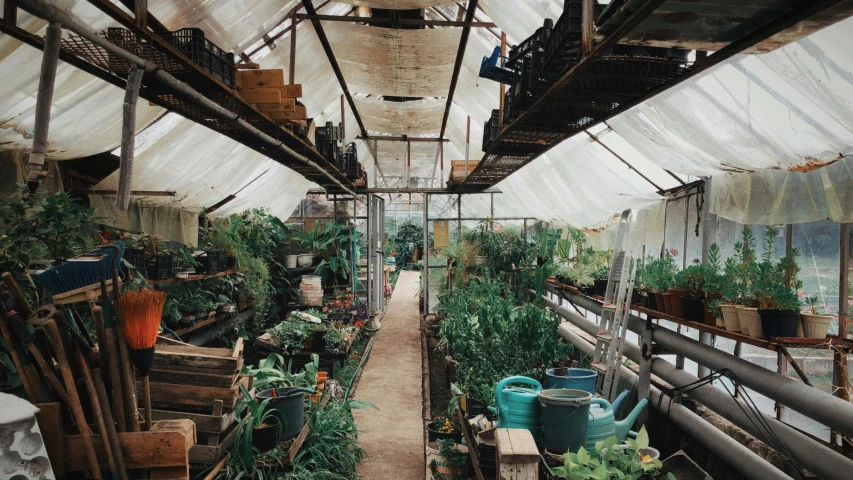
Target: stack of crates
{"x": 192, "y": 43}
{"x": 349, "y": 164}
{"x": 491, "y": 129}
{"x": 530, "y": 80}
{"x": 329, "y": 140}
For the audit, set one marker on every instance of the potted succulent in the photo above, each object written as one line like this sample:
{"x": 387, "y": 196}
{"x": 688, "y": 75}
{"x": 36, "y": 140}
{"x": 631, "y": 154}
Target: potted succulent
{"x": 815, "y": 324}
{"x": 775, "y": 290}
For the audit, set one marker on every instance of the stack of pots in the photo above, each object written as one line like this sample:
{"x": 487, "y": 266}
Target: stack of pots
{"x": 311, "y": 291}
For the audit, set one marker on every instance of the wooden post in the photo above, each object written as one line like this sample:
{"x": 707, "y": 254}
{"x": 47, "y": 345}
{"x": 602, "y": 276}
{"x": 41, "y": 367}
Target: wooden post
{"x": 44, "y": 100}
{"x": 408, "y": 165}
{"x": 343, "y": 119}
{"x": 503, "y": 87}
{"x": 140, "y": 10}
{"x": 781, "y": 369}
{"x": 467, "y": 144}
{"x": 518, "y": 457}
{"x": 587, "y": 26}
{"x": 292, "y": 71}
{"x": 10, "y": 12}
{"x": 128, "y": 137}
{"x": 441, "y": 153}
{"x": 839, "y": 365}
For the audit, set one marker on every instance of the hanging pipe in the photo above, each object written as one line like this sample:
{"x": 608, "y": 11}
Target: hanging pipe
{"x": 128, "y": 137}
{"x": 47, "y": 81}
{"x": 810, "y": 453}
{"x": 41, "y": 9}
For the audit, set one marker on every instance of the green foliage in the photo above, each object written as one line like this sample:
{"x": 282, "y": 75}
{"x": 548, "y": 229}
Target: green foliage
{"x": 492, "y": 338}
{"x": 187, "y": 298}
{"x": 291, "y": 334}
{"x": 454, "y": 458}
{"x": 546, "y": 264}
{"x": 609, "y": 461}
{"x": 812, "y": 306}
{"x": 774, "y": 285}
{"x": 273, "y": 372}
{"x": 184, "y": 258}
{"x": 659, "y": 273}
{"x": 509, "y": 258}
{"x": 256, "y": 415}
{"x": 336, "y": 339}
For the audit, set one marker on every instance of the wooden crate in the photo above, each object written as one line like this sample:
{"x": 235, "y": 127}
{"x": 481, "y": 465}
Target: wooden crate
{"x": 261, "y": 78}
{"x": 197, "y": 366}
{"x": 205, "y": 454}
{"x": 286, "y": 105}
{"x": 166, "y": 446}
{"x": 518, "y": 456}
{"x": 299, "y": 113}
{"x": 457, "y": 169}
{"x": 261, "y": 95}
{"x": 198, "y": 399}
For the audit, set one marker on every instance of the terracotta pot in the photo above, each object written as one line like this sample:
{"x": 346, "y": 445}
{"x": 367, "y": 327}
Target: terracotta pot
{"x": 322, "y": 377}
{"x": 815, "y": 326}
{"x": 667, "y": 303}
{"x": 659, "y": 302}
{"x": 730, "y": 318}
{"x": 675, "y": 296}
{"x": 709, "y": 316}
{"x": 750, "y": 322}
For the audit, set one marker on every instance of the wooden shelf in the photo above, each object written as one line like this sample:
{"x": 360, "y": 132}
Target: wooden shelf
{"x": 774, "y": 344}
{"x": 191, "y": 278}
{"x": 204, "y": 331}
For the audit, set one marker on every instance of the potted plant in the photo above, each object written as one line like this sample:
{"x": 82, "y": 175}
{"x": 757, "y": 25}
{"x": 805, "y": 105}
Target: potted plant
{"x": 815, "y": 324}
{"x": 309, "y": 243}
{"x": 260, "y": 428}
{"x": 184, "y": 262}
{"x": 680, "y": 288}
{"x": 610, "y": 460}
{"x": 775, "y": 290}
{"x": 702, "y": 282}
{"x": 659, "y": 276}
{"x": 454, "y": 464}
{"x": 291, "y": 334}
{"x": 444, "y": 430}
{"x": 336, "y": 339}
{"x": 747, "y": 268}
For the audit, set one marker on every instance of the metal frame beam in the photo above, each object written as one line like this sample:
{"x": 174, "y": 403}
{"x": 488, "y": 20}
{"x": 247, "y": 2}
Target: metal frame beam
{"x": 327, "y": 47}
{"x": 394, "y": 22}
{"x": 457, "y": 67}
{"x": 403, "y": 138}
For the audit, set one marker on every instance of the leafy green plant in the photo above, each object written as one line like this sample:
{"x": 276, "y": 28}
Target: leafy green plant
{"x": 812, "y": 306}
{"x": 775, "y": 284}
{"x": 184, "y": 258}
{"x": 453, "y": 458}
{"x": 546, "y": 265}
{"x": 273, "y": 372}
{"x": 609, "y": 461}
{"x": 336, "y": 339}
{"x": 291, "y": 334}
{"x": 660, "y": 272}
{"x": 257, "y": 415}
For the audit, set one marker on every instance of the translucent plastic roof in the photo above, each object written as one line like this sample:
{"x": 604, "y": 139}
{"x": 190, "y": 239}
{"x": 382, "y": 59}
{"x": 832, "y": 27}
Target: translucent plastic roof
{"x": 761, "y": 125}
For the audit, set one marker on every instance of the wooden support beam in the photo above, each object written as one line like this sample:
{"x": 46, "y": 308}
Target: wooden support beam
{"x": 501, "y": 99}
{"x": 457, "y": 67}
{"x": 140, "y": 12}
{"x": 10, "y": 11}
{"x": 327, "y": 47}
{"x": 141, "y": 193}
{"x": 293, "y": 26}
{"x": 404, "y": 138}
{"x": 587, "y": 26}
{"x": 393, "y": 22}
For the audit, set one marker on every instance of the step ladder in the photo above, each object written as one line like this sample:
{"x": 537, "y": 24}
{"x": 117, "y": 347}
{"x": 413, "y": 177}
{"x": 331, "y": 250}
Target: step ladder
{"x": 607, "y": 358}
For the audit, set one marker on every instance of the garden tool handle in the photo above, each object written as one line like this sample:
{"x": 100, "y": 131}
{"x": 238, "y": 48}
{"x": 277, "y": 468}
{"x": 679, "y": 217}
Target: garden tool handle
{"x": 22, "y": 303}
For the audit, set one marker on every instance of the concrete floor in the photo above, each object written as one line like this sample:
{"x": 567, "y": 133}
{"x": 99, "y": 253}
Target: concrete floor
{"x": 393, "y": 436}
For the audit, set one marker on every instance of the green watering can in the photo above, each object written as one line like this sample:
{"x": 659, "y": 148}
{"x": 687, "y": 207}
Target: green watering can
{"x": 518, "y": 407}
{"x": 602, "y": 423}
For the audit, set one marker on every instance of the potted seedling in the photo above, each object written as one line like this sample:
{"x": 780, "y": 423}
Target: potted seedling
{"x": 746, "y": 276}
{"x": 184, "y": 262}
{"x": 444, "y": 430}
{"x": 775, "y": 289}
{"x": 814, "y": 322}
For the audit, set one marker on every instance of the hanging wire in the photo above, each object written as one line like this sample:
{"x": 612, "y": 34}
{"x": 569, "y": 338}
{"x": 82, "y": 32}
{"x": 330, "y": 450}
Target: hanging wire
{"x": 751, "y": 410}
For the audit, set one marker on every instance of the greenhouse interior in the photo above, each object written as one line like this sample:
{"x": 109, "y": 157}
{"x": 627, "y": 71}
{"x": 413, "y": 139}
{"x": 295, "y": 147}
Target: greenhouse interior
{"x": 595, "y": 239}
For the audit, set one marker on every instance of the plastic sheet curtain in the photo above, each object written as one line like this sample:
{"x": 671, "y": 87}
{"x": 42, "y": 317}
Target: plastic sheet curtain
{"x": 397, "y": 4}
{"x": 384, "y": 61}
{"x": 401, "y": 118}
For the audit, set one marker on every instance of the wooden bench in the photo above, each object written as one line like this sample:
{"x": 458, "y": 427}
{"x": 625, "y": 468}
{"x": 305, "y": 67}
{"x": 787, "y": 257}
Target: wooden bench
{"x": 518, "y": 457}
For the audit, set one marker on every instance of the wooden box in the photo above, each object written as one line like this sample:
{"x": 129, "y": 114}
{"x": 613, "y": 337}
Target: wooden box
{"x": 261, "y": 95}
{"x": 261, "y": 78}
{"x": 298, "y": 113}
{"x": 518, "y": 456}
{"x": 457, "y": 169}
{"x": 286, "y": 105}
{"x": 197, "y": 366}
{"x": 291, "y": 91}
{"x": 198, "y": 399}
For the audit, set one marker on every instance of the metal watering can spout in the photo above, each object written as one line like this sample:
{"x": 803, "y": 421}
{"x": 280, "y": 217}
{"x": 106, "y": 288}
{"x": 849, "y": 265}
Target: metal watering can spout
{"x": 622, "y": 427}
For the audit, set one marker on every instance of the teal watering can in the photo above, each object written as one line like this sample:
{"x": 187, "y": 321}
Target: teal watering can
{"x": 518, "y": 407}
{"x": 603, "y": 424}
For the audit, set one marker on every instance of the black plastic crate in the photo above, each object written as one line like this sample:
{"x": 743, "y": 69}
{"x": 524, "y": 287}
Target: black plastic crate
{"x": 161, "y": 266}
{"x": 136, "y": 257}
{"x": 192, "y": 43}
{"x": 211, "y": 263}
{"x": 491, "y": 129}
{"x": 328, "y": 133}
{"x": 351, "y": 167}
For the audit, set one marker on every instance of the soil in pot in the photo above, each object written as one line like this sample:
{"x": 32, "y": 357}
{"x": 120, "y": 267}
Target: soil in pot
{"x": 675, "y": 296}
{"x": 730, "y": 318}
{"x": 779, "y": 323}
{"x": 750, "y": 321}
{"x": 444, "y": 430}
{"x": 667, "y": 303}
{"x": 266, "y": 437}
{"x": 692, "y": 309}
{"x": 815, "y": 326}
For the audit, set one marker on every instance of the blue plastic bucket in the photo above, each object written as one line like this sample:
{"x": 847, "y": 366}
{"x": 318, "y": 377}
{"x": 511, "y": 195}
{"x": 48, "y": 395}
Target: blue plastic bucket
{"x": 572, "y": 379}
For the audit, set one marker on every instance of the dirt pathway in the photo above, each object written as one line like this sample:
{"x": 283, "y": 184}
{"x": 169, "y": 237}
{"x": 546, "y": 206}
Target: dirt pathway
{"x": 393, "y": 435}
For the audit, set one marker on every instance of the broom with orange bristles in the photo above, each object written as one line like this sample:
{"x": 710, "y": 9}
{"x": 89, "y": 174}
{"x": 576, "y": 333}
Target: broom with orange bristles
{"x": 140, "y": 312}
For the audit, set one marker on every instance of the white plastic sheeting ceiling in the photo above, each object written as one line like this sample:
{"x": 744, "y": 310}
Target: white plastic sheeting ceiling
{"x": 401, "y": 118}
{"x": 754, "y": 122}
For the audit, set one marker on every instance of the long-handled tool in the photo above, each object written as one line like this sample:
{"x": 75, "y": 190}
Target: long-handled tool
{"x": 97, "y": 411}
{"x": 141, "y": 312}
{"x": 110, "y": 349}
{"x": 29, "y": 378}
{"x": 112, "y": 435}
{"x": 73, "y": 398}
{"x": 26, "y": 339}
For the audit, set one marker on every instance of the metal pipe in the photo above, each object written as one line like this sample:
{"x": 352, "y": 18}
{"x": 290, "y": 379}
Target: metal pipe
{"x": 726, "y": 448}
{"x": 52, "y": 14}
{"x": 128, "y": 137}
{"x": 47, "y": 80}
{"x": 808, "y": 452}
{"x": 811, "y": 402}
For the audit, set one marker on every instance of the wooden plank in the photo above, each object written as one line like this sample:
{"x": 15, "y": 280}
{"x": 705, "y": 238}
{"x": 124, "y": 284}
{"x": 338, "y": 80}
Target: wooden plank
{"x": 212, "y": 362}
{"x": 192, "y": 350}
{"x": 291, "y": 91}
{"x": 286, "y": 105}
{"x": 49, "y": 420}
{"x": 167, "y": 444}
{"x": 516, "y": 445}
{"x": 209, "y": 455}
{"x": 261, "y": 95}
{"x": 169, "y": 473}
{"x": 298, "y": 113}
{"x": 472, "y": 446}
{"x": 167, "y": 396}
{"x": 192, "y": 378}
{"x": 203, "y": 423}
{"x": 262, "y": 78}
